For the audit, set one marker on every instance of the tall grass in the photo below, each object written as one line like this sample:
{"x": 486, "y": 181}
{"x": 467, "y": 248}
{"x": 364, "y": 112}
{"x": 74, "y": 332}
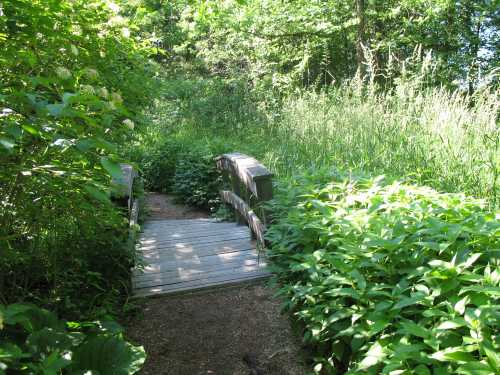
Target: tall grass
{"x": 431, "y": 135}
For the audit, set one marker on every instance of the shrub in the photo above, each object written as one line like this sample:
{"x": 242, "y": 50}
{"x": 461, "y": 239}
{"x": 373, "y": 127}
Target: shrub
{"x": 159, "y": 164}
{"x": 33, "y": 340}
{"x": 71, "y": 81}
{"x": 389, "y": 278}
{"x": 197, "y": 180}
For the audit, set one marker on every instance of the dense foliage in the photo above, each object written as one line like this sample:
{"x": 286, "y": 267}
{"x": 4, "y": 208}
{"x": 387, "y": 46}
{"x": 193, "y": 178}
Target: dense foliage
{"x": 387, "y": 277}
{"x": 429, "y": 134}
{"x": 72, "y": 81}
{"x": 384, "y": 277}
{"x": 287, "y": 44}
{"x": 34, "y": 341}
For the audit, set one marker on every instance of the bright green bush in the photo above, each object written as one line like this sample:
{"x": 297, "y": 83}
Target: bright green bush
{"x": 72, "y": 82}
{"x": 158, "y": 164}
{"x": 34, "y": 341}
{"x": 197, "y": 180}
{"x": 389, "y": 278}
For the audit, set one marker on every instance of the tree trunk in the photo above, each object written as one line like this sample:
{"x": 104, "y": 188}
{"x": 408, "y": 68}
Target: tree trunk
{"x": 360, "y": 42}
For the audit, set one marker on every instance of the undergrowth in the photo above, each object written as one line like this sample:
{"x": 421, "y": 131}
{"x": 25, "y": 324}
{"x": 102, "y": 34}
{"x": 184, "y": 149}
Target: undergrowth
{"x": 386, "y": 277}
{"x": 438, "y": 138}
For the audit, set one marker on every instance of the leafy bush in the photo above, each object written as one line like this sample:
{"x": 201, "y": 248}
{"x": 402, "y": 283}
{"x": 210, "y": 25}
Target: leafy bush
{"x": 389, "y": 278}
{"x": 197, "y": 181}
{"x": 34, "y": 341}
{"x": 71, "y": 82}
{"x": 159, "y": 162}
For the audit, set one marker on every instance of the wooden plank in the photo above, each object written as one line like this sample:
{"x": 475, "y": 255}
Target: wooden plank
{"x": 253, "y": 221}
{"x": 200, "y": 284}
{"x": 139, "y": 275}
{"x": 190, "y": 237}
{"x": 187, "y": 250}
{"x": 173, "y": 222}
{"x": 210, "y": 239}
{"x": 193, "y": 254}
{"x": 134, "y": 213}
{"x": 124, "y": 185}
{"x": 192, "y": 232}
{"x": 157, "y": 263}
{"x": 247, "y": 169}
{"x": 192, "y": 275}
{"x": 160, "y": 224}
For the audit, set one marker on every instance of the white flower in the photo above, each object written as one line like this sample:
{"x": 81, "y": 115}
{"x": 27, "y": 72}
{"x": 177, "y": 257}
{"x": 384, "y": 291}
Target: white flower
{"x": 114, "y": 7}
{"x": 103, "y": 92}
{"x": 63, "y": 73}
{"x": 129, "y": 124}
{"x": 117, "y": 98}
{"x": 91, "y": 73}
{"x": 126, "y": 32}
{"x": 87, "y": 89}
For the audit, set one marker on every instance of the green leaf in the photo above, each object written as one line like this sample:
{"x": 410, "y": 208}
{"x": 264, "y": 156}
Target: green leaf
{"x": 54, "y": 363}
{"x": 112, "y": 168}
{"x": 422, "y": 370}
{"x": 7, "y": 143}
{"x": 411, "y": 328}
{"x": 456, "y": 354}
{"x": 451, "y": 324}
{"x": 97, "y": 193}
{"x": 30, "y": 129}
{"x": 360, "y": 280}
{"x": 374, "y": 355}
{"x": 492, "y": 290}
{"x": 108, "y": 356}
{"x": 475, "y": 368}
{"x": 460, "y": 305}
{"x": 408, "y": 301}
{"x": 55, "y": 110}
{"x": 492, "y": 354}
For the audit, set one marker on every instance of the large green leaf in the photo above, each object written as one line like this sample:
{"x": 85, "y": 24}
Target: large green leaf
{"x": 112, "y": 168}
{"x": 108, "y": 355}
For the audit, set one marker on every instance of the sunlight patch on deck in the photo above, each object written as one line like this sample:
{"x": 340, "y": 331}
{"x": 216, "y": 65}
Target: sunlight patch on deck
{"x": 190, "y": 254}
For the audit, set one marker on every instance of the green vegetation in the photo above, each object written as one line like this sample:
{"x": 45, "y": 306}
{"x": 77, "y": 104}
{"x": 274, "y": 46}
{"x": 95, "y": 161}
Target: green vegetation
{"x": 383, "y": 276}
{"x": 389, "y": 277}
{"x": 72, "y": 86}
{"x": 428, "y": 134}
{"x": 34, "y": 341}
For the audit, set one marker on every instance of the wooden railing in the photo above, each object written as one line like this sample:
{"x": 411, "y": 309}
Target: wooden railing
{"x": 124, "y": 192}
{"x": 251, "y": 185}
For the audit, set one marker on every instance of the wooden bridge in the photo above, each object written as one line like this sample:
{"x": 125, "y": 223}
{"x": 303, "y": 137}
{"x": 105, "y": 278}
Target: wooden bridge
{"x": 190, "y": 254}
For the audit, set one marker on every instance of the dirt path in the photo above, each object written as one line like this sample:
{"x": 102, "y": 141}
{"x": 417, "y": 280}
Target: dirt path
{"x": 234, "y": 330}
{"x": 161, "y": 206}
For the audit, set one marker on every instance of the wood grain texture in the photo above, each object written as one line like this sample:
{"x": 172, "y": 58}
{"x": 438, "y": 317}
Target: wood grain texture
{"x": 244, "y": 209}
{"x": 247, "y": 169}
{"x": 184, "y": 255}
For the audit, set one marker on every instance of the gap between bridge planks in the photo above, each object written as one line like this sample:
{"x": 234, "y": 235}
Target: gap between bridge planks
{"x": 191, "y": 254}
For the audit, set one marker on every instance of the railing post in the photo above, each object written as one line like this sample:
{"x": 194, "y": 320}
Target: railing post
{"x": 264, "y": 186}
{"x": 251, "y": 186}
{"x": 236, "y": 188}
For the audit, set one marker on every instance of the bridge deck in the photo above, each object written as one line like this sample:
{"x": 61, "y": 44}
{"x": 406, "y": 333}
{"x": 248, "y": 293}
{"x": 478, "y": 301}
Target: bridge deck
{"x": 184, "y": 255}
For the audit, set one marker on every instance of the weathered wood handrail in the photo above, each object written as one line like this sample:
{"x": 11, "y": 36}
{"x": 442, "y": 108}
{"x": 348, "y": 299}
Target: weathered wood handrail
{"x": 124, "y": 191}
{"x": 251, "y": 185}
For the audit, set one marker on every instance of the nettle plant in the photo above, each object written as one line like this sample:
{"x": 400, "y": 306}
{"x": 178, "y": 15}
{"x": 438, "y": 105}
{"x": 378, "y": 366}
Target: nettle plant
{"x": 388, "y": 278}
{"x": 34, "y": 341}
